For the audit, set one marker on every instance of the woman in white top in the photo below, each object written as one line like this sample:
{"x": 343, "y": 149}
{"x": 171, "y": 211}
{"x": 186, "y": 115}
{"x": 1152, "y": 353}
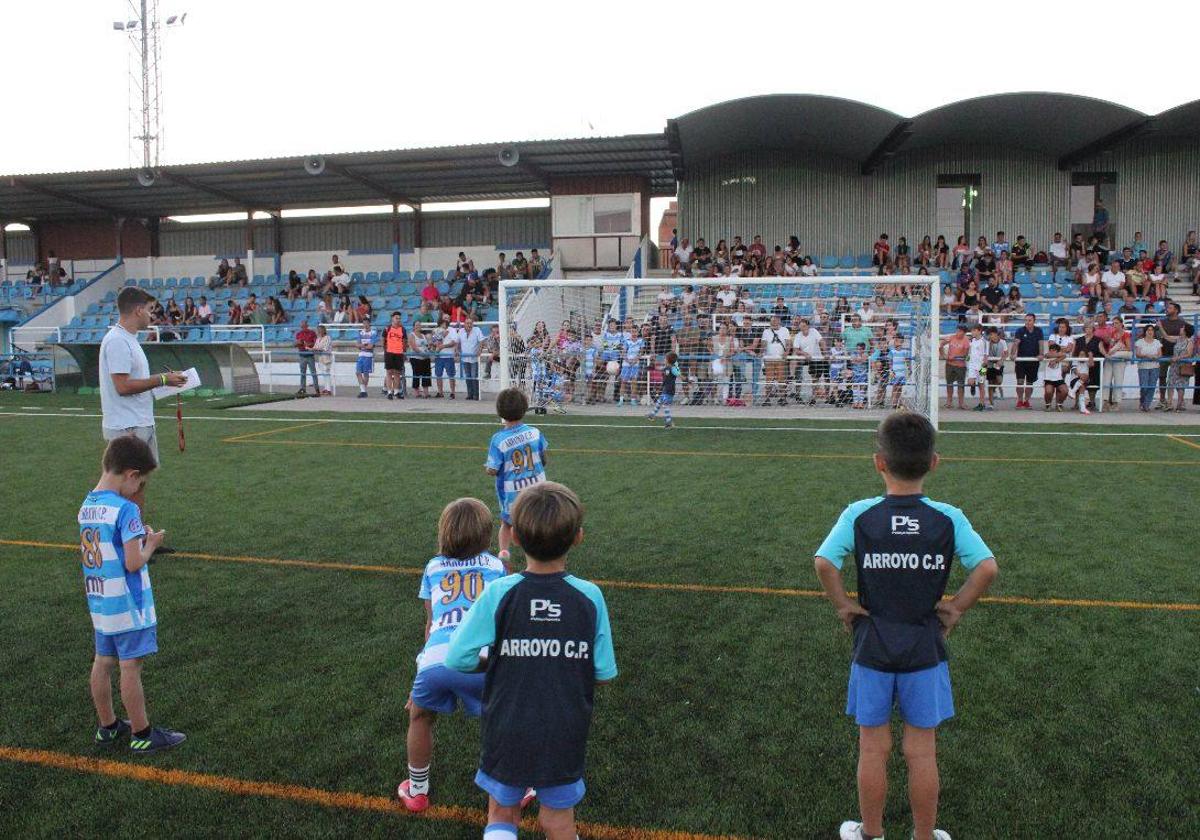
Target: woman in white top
{"x": 1149, "y": 350}
{"x": 807, "y": 268}
{"x": 724, "y": 345}
{"x": 1059, "y": 346}
{"x": 324, "y": 356}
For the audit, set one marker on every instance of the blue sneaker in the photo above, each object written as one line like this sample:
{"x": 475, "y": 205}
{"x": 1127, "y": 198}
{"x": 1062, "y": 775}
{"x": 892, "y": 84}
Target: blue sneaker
{"x": 109, "y": 737}
{"x": 156, "y": 741}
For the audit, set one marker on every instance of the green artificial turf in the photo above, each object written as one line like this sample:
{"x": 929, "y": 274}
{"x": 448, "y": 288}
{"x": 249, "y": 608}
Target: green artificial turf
{"x": 727, "y": 716}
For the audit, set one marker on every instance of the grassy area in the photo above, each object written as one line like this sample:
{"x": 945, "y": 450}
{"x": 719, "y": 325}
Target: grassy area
{"x": 726, "y": 718}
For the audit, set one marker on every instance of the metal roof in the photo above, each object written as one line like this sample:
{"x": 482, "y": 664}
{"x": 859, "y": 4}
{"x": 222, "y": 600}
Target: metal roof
{"x": 409, "y": 176}
{"x": 1064, "y": 126}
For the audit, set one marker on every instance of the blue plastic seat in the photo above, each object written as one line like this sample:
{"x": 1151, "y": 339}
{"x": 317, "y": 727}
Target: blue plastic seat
{"x": 437, "y": 274}
{"x": 420, "y": 276}
{"x": 403, "y": 275}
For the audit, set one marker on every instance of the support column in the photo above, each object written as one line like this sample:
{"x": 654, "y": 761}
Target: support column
{"x": 118, "y": 225}
{"x": 3, "y": 253}
{"x": 418, "y": 236}
{"x": 277, "y": 230}
{"x": 395, "y": 237}
{"x": 250, "y": 245}
{"x": 153, "y": 225}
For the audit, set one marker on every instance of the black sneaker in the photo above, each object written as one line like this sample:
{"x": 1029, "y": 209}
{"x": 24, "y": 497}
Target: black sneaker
{"x": 156, "y": 741}
{"x": 390, "y": 397}
{"x": 108, "y": 737}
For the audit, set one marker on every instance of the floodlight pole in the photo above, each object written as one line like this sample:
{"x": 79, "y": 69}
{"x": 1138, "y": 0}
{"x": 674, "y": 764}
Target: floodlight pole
{"x": 147, "y": 160}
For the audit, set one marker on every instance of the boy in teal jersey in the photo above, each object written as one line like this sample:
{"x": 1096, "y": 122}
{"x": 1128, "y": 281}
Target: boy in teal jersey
{"x": 516, "y": 457}
{"x": 115, "y": 547}
{"x": 903, "y": 545}
{"x": 452, "y": 582}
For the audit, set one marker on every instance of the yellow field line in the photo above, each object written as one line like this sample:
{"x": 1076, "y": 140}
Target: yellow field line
{"x": 310, "y": 796}
{"x": 240, "y": 438}
{"x": 718, "y": 589}
{"x": 691, "y": 453}
{"x": 1184, "y": 441}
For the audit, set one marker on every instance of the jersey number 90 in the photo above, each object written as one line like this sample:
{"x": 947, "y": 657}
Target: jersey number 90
{"x": 459, "y": 585}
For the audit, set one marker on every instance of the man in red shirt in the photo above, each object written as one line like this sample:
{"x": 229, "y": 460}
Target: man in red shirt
{"x": 395, "y": 342}
{"x": 954, "y": 351}
{"x": 306, "y": 339}
{"x": 757, "y": 247}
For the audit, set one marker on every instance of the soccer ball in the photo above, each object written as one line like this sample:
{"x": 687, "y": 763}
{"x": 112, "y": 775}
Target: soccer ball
{"x": 613, "y": 368}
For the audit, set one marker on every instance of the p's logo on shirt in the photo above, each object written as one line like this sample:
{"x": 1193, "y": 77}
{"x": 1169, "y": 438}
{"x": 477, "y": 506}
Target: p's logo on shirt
{"x": 905, "y": 526}
{"x": 542, "y": 609}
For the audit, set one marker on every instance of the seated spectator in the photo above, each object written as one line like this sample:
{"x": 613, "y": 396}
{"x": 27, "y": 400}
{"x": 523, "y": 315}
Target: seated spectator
{"x": 992, "y": 296}
{"x": 174, "y": 313}
{"x": 1004, "y": 268}
{"x": 1076, "y": 249}
{"x": 1090, "y": 284}
{"x": 981, "y": 248}
{"x": 340, "y": 280}
{"x": 757, "y": 248}
{"x": 295, "y": 286}
{"x": 903, "y": 256}
{"x": 738, "y": 252}
{"x": 941, "y": 253}
{"x": 1001, "y": 244}
{"x": 682, "y": 259}
{"x": 721, "y": 256}
{"x": 1013, "y": 304}
{"x": 808, "y": 268}
{"x": 463, "y": 266}
{"x": 1021, "y": 254}
{"x": 364, "y": 313}
{"x": 1158, "y": 282}
{"x": 1128, "y": 307}
{"x": 430, "y": 291}
{"x": 503, "y": 269}
{"x": 965, "y": 275}
{"x": 237, "y": 274}
{"x": 334, "y": 266}
{"x": 1163, "y": 255}
{"x": 313, "y": 285}
{"x": 790, "y": 268}
{"x": 344, "y": 313}
{"x": 925, "y": 252}
{"x": 204, "y": 313}
{"x": 702, "y": 256}
{"x": 780, "y": 308}
{"x": 1113, "y": 281}
{"x": 221, "y": 278}
{"x": 962, "y": 253}
{"x": 1138, "y": 244}
{"x": 1128, "y": 258}
{"x": 985, "y": 266}
{"x": 236, "y": 316}
{"x": 881, "y": 252}
{"x": 325, "y": 309}
{"x": 250, "y": 310}
{"x": 666, "y": 298}
{"x": 1058, "y": 253}
{"x": 536, "y": 264}
{"x": 520, "y": 266}
{"x": 473, "y": 296}
{"x": 190, "y": 316}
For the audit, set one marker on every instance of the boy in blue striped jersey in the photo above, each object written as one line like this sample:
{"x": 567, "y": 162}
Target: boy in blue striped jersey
{"x": 115, "y": 547}
{"x": 452, "y": 583}
{"x": 516, "y": 457}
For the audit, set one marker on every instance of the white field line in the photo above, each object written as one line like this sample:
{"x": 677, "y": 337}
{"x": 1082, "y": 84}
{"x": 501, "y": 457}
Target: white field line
{"x": 226, "y": 418}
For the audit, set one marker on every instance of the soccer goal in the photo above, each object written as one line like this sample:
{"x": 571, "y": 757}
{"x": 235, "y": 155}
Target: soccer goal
{"x": 849, "y": 346}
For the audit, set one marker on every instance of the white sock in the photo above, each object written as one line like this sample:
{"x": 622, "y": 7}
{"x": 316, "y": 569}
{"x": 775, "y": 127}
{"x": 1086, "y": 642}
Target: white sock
{"x": 500, "y": 831}
{"x": 418, "y": 779}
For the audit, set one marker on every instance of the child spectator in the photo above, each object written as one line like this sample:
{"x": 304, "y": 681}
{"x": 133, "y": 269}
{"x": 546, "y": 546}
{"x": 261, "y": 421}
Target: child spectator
{"x": 516, "y": 457}
{"x": 666, "y": 397}
{"x": 551, "y": 642}
{"x": 976, "y": 365}
{"x": 458, "y": 575}
{"x": 903, "y": 545}
{"x": 365, "y": 364}
{"x": 116, "y": 547}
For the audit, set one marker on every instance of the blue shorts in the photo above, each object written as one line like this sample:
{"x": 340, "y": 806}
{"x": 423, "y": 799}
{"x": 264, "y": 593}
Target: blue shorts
{"x": 443, "y": 366}
{"x": 559, "y": 796}
{"x": 131, "y": 645}
{"x": 924, "y": 696}
{"x": 629, "y": 372}
{"x": 899, "y": 380}
{"x": 441, "y": 689}
{"x": 365, "y": 364}
{"x": 666, "y": 399}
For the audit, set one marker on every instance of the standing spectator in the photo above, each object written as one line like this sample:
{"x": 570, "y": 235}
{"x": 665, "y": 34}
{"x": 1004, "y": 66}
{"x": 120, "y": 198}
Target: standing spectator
{"x": 469, "y": 340}
{"x": 306, "y": 342}
{"x": 806, "y": 346}
{"x": 1149, "y": 350}
{"x": 463, "y": 266}
{"x": 237, "y": 274}
{"x": 1089, "y": 347}
{"x": 1028, "y": 349}
{"x": 955, "y": 349}
{"x": 365, "y": 365}
{"x": 1100, "y": 222}
{"x": 1172, "y": 325}
{"x": 444, "y": 343}
{"x": 395, "y": 343}
{"x": 489, "y": 351}
{"x": 419, "y": 360}
{"x": 776, "y": 339}
{"x": 1117, "y": 353}
{"x": 324, "y": 354}
{"x": 1179, "y": 372}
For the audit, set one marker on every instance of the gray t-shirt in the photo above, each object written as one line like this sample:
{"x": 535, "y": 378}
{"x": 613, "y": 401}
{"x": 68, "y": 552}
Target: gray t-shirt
{"x": 121, "y": 353}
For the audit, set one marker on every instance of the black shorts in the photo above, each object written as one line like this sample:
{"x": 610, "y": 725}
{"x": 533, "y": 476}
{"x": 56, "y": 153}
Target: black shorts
{"x": 956, "y": 374}
{"x": 1027, "y": 372}
{"x": 995, "y": 376}
{"x": 393, "y": 361}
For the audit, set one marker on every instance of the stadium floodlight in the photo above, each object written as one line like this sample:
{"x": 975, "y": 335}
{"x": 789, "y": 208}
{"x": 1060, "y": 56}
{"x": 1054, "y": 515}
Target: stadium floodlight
{"x": 119, "y": 25}
{"x": 893, "y": 363}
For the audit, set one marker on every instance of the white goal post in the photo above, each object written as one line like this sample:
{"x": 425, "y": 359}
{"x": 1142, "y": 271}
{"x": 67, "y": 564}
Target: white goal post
{"x": 582, "y": 307}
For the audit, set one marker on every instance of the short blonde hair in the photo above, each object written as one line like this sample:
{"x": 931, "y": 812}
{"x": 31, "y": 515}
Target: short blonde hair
{"x": 546, "y": 519}
{"x": 464, "y": 529}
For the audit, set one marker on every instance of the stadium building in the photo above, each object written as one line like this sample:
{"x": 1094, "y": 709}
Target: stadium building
{"x": 832, "y": 172}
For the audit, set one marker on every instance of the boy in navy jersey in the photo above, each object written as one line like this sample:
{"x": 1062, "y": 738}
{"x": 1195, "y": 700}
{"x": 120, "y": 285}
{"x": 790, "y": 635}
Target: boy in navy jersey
{"x": 550, "y": 644}
{"x": 670, "y": 375}
{"x": 903, "y": 545}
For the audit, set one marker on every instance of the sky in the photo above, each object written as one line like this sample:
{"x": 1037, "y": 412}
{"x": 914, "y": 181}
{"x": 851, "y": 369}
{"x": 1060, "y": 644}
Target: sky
{"x": 260, "y": 78}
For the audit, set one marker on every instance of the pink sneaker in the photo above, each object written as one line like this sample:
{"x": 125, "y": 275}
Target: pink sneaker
{"x": 415, "y": 802}
{"x": 530, "y": 795}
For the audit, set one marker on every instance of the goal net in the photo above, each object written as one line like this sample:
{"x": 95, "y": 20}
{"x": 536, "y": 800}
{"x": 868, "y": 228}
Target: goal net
{"x": 849, "y": 346}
